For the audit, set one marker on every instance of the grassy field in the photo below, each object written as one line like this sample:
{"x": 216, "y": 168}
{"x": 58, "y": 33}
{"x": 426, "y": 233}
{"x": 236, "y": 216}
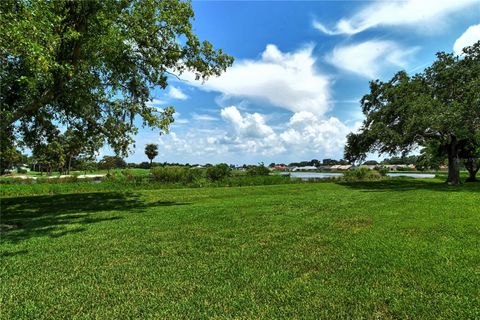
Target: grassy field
{"x": 393, "y": 249}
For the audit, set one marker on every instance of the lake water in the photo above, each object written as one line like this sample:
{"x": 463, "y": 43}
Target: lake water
{"x": 328, "y": 175}
{"x": 411, "y": 175}
{"x": 312, "y": 175}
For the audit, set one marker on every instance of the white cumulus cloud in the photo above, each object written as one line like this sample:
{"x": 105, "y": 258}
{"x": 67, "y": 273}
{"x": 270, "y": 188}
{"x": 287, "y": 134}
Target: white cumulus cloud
{"x": 370, "y": 58}
{"x": 305, "y": 134}
{"x": 468, "y": 38}
{"x": 177, "y": 93}
{"x": 424, "y": 15}
{"x": 308, "y": 134}
{"x": 250, "y": 125}
{"x": 245, "y": 137}
{"x": 286, "y": 80}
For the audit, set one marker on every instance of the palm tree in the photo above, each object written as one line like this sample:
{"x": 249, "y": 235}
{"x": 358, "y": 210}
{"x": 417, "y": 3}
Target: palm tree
{"x": 151, "y": 150}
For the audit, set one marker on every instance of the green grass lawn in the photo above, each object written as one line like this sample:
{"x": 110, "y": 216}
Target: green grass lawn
{"x": 394, "y": 249}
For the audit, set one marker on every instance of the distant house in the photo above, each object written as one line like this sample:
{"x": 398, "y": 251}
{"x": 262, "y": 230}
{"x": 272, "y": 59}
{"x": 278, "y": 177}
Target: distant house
{"x": 279, "y": 167}
{"x": 305, "y": 168}
{"x": 341, "y": 167}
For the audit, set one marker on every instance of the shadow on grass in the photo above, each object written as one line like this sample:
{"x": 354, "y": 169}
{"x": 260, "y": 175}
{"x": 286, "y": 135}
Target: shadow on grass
{"x": 409, "y": 184}
{"x": 58, "y": 215}
{"x": 8, "y": 254}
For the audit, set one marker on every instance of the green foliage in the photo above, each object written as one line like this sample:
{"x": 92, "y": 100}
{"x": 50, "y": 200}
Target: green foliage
{"x": 22, "y": 171}
{"x": 151, "y": 150}
{"x": 383, "y": 171}
{"x": 91, "y": 66}
{"x": 87, "y": 165}
{"x": 175, "y": 174}
{"x": 259, "y": 170}
{"x": 437, "y": 109}
{"x": 9, "y": 155}
{"x": 111, "y": 162}
{"x": 57, "y": 180}
{"x": 120, "y": 182}
{"x": 361, "y": 174}
{"x": 218, "y": 172}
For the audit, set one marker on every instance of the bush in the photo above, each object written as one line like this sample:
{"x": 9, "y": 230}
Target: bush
{"x": 56, "y": 180}
{"x": 258, "y": 171}
{"x": 175, "y": 174}
{"x": 218, "y": 172}
{"x": 12, "y": 180}
{"x": 383, "y": 171}
{"x": 128, "y": 174}
{"x": 360, "y": 174}
{"x": 22, "y": 171}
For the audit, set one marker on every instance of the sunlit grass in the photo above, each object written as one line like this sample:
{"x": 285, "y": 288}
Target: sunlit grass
{"x": 397, "y": 248}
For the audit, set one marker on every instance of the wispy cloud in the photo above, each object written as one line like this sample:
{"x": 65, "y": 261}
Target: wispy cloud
{"x": 425, "y": 15}
{"x": 203, "y": 117}
{"x": 156, "y": 103}
{"x": 179, "y": 119}
{"x": 370, "y": 58}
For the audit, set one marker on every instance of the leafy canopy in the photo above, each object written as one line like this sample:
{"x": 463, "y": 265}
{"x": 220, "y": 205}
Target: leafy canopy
{"x": 436, "y": 109}
{"x": 151, "y": 150}
{"x": 91, "y": 66}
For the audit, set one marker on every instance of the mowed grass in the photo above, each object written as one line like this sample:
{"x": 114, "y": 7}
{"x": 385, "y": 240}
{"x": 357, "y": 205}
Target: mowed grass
{"x": 395, "y": 249}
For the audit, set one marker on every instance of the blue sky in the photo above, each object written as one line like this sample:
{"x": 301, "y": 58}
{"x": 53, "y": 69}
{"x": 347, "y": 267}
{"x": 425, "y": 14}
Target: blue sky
{"x": 300, "y": 69}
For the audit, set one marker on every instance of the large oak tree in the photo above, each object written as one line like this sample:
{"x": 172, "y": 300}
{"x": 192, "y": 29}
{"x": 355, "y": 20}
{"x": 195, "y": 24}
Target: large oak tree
{"x": 437, "y": 109}
{"x": 91, "y": 66}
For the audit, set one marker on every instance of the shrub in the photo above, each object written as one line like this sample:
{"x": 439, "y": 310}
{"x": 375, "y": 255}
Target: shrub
{"x": 260, "y": 170}
{"x": 383, "y": 171}
{"x": 22, "y": 171}
{"x": 9, "y": 180}
{"x": 218, "y": 172}
{"x": 128, "y": 174}
{"x": 361, "y": 173}
{"x": 175, "y": 174}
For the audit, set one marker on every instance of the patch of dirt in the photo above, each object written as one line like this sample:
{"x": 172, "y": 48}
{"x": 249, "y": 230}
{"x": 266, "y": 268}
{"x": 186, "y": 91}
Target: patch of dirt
{"x": 355, "y": 224}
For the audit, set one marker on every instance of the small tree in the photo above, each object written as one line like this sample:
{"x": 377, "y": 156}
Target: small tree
{"x": 86, "y": 165}
{"x": 259, "y": 170}
{"x": 109, "y": 162}
{"x": 151, "y": 150}
{"x": 218, "y": 172}
{"x": 8, "y": 157}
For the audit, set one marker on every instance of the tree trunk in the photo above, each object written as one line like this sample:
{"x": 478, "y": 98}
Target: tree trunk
{"x": 453, "y": 167}
{"x": 472, "y": 168}
{"x": 69, "y": 164}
